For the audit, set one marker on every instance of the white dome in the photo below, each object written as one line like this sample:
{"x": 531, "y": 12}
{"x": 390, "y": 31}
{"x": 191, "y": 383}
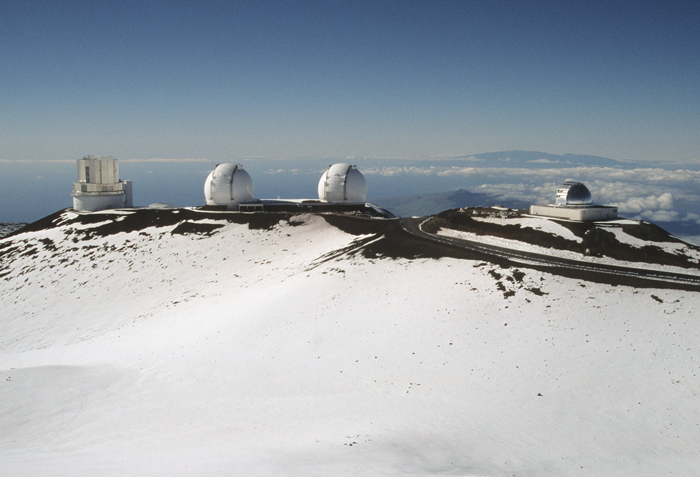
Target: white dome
{"x": 342, "y": 183}
{"x": 228, "y": 184}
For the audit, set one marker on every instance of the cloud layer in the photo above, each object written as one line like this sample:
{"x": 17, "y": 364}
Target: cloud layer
{"x": 657, "y": 195}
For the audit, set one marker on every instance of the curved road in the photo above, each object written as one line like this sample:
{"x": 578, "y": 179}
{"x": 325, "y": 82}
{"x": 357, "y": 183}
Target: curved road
{"x": 561, "y": 266}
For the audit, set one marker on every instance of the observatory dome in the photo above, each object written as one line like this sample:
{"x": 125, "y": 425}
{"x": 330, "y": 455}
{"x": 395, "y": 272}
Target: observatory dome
{"x": 342, "y": 183}
{"x": 573, "y": 193}
{"x": 228, "y": 184}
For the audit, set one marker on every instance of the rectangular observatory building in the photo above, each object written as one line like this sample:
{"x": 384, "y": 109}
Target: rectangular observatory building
{"x": 99, "y": 187}
{"x": 573, "y": 201}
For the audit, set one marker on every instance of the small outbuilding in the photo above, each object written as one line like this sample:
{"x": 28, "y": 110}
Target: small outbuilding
{"x": 573, "y": 201}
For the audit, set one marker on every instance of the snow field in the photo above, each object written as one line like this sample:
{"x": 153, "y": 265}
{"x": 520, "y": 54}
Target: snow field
{"x": 536, "y": 223}
{"x": 245, "y": 353}
{"x": 621, "y": 236}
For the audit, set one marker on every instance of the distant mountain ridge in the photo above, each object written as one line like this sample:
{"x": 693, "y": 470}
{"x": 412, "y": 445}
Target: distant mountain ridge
{"x": 544, "y": 159}
{"x": 513, "y": 158}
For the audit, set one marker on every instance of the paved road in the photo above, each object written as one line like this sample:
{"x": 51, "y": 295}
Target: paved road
{"x": 562, "y": 266}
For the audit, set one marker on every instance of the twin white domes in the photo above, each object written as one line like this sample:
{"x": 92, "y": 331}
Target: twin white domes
{"x": 229, "y": 184}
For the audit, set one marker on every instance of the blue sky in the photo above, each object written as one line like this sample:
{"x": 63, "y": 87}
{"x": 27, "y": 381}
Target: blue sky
{"x": 229, "y": 80}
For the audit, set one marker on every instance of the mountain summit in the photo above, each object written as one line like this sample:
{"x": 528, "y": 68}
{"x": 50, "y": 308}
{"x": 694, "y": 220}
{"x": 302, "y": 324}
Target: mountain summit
{"x": 188, "y": 342}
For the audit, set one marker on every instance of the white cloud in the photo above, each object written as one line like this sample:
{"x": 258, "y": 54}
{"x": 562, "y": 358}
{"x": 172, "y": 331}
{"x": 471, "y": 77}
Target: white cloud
{"x": 396, "y": 171}
{"x": 526, "y": 192}
{"x": 691, "y": 217}
{"x": 283, "y": 171}
{"x": 693, "y": 239}
{"x": 614, "y": 177}
{"x": 37, "y": 161}
{"x": 163, "y": 159}
{"x": 638, "y": 205}
{"x": 72, "y": 161}
{"x": 659, "y": 215}
{"x": 648, "y": 194}
{"x": 543, "y": 161}
{"x": 459, "y": 171}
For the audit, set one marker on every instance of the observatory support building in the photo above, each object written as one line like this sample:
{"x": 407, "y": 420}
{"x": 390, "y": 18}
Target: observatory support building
{"x": 573, "y": 201}
{"x": 99, "y": 187}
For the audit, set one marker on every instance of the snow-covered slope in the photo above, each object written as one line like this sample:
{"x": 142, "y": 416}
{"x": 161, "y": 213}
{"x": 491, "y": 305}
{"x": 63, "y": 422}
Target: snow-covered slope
{"x": 185, "y": 343}
{"x": 621, "y": 242}
{"x": 6, "y": 229}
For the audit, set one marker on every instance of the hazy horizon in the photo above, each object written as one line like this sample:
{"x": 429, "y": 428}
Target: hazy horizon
{"x": 667, "y": 197}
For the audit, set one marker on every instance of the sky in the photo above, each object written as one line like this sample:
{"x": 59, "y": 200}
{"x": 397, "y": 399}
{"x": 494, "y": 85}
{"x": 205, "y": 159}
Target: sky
{"x": 286, "y": 88}
{"x": 399, "y": 79}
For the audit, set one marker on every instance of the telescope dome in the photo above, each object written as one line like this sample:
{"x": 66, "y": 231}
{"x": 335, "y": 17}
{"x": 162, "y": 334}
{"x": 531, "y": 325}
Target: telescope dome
{"x": 228, "y": 184}
{"x": 573, "y": 193}
{"x": 342, "y": 183}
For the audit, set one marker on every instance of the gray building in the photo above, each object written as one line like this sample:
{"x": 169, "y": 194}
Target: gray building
{"x": 573, "y": 201}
